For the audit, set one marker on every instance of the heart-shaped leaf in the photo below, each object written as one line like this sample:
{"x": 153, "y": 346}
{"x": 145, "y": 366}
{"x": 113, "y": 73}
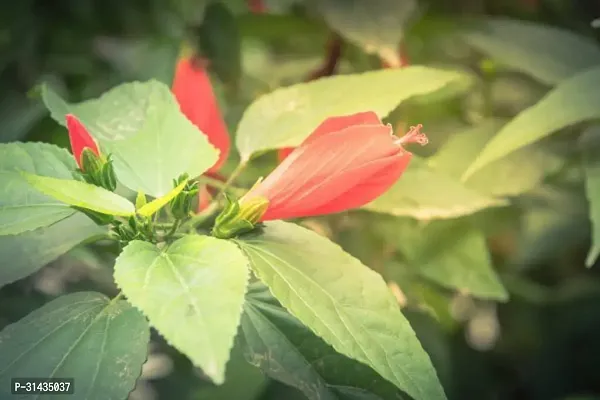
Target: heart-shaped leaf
{"x": 192, "y": 292}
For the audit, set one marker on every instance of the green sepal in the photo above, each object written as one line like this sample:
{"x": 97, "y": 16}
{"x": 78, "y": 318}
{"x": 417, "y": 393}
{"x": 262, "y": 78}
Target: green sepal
{"x": 90, "y": 163}
{"x": 236, "y": 219}
{"x": 108, "y": 179}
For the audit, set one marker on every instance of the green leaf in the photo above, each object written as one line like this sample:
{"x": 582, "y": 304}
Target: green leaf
{"x": 192, "y": 292}
{"x": 141, "y": 125}
{"x": 546, "y": 53}
{"x": 342, "y": 301}
{"x": 27, "y": 252}
{"x": 288, "y": 351}
{"x": 572, "y": 101}
{"x": 156, "y": 204}
{"x": 453, "y": 254}
{"x": 23, "y": 208}
{"x": 509, "y": 176}
{"x": 220, "y": 42}
{"x": 101, "y": 344}
{"x": 285, "y": 117}
{"x": 590, "y": 145}
{"x": 82, "y": 194}
{"x": 423, "y": 193}
{"x": 375, "y": 25}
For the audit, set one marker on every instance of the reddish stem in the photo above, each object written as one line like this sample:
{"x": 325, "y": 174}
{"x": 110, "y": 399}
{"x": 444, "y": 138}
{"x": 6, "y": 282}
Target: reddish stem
{"x": 333, "y": 54}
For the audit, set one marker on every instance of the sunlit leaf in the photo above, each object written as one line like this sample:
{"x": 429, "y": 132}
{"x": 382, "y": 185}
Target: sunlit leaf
{"x": 572, "y": 101}
{"x": 100, "y": 344}
{"x": 23, "y": 208}
{"x": 509, "y": 176}
{"x": 344, "y": 302}
{"x": 81, "y": 194}
{"x": 285, "y": 117}
{"x": 151, "y": 208}
{"x": 191, "y": 291}
{"x": 425, "y": 194}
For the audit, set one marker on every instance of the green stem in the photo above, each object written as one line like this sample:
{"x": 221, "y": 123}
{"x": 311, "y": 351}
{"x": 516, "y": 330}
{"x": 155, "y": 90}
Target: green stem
{"x": 236, "y": 172}
{"x": 202, "y": 216}
{"x": 221, "y": 185}
{"x": 173, "y": 228}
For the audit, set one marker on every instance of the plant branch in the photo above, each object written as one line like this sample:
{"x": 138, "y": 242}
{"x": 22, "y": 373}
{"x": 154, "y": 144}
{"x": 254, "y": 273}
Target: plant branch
{"x": 333, "y": 54}
{"x": 236, "y": 172}
{"x": 221, "y": 185}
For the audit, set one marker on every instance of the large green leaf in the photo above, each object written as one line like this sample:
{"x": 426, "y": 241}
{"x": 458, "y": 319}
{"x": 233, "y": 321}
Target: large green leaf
{"x": 424, "y": 193}
{"x": 590, "y": 145}
{"x": 548, "y": 54}
{"x": 24, "y": 254}
{"x": 453, "y": 254}
{"x": 192, "y": 292}
{"x": 141, "y": 125}
{"x": 509, "y": 176}
{"x": 286, "y": 350}
{"x": 572, "y": 101}
{"x": 101, "y": 344}
{"x": 342, "y": 301}
{"x": 287, "y": 116}
{"x": 23, "y": 208}
{"x": 81, "y": 194}
{"x": 375, "y": 25}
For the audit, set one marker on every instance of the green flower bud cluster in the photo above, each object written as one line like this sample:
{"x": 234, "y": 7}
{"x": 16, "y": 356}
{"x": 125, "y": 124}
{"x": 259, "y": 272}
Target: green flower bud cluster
{"x": 137, "y": 228}
{"x": 183, "y": 204}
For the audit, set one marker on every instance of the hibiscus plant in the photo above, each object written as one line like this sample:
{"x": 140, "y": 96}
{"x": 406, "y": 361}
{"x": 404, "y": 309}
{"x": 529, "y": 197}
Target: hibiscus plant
{"x": 196, "y": 264}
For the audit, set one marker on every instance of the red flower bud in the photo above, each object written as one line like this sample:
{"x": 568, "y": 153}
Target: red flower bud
{"x": 80, "y": 139}
{"x": 257, "y": 6}
{"x": 346, "y": 162}
{"x": 193, "y": 90}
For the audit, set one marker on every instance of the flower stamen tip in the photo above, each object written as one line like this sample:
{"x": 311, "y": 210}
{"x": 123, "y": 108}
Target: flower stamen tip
{"x": 414, "y": 135}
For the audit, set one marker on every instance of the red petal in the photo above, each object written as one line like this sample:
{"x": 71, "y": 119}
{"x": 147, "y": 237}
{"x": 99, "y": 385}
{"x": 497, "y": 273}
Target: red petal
{"x": 335, "y": 124}
{"x": 193, "y": 90}
{"x": 283, "y": 153}
{"x": 325, "y": 168}
{"x": 79, "y": 138}
{"x": 370, "y": 189}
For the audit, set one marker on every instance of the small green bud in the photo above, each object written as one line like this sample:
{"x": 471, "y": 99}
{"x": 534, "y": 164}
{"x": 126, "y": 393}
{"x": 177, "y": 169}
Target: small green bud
{"x": 140, "y": 200}
{"x": 108, "y": 179}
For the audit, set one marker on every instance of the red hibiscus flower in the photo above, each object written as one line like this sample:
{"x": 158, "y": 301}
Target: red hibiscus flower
{"x": 193, "y": 90}
{"x": 80, "y": 139}
{"x": 346, "y": 162}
